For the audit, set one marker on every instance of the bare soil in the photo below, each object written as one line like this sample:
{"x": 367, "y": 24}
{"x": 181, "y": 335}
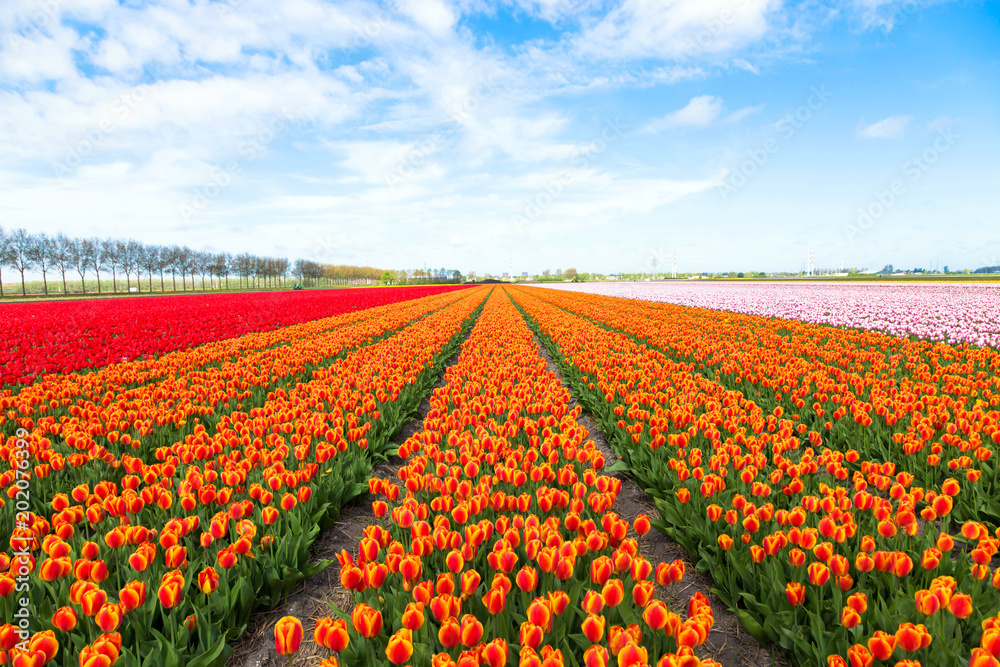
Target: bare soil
{"x": 727, "y": 643}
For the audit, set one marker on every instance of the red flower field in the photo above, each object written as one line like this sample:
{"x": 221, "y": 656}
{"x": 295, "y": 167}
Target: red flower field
{"x": 66, "y": 336}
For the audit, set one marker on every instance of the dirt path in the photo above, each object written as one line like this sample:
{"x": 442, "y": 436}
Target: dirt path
{"x": 311, "y": 599}
{"x": 727, "y": 643}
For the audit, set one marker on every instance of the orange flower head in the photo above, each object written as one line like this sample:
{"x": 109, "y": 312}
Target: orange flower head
{"x": 655, "y": 614}
{"x": 796, "y": 593}
{"x": 208, "y": 580}
{"x": 64, "y": 619}
{"x": 910, "y": 637}
{"x": 859, "y": 656}
{"x": 593, "y": 627}
{"x": 882, "y": 645}
{"x": 45, "y": 644}
{"x": 450, "y": 633}
{"x": 849, "y": 618}
{"x": 400, "y": 647}
{"x": 367, "y": 621}
{"x": 287, "y": 635}
{"x": 960, "y": 605}
{"x": 530, "y": 635}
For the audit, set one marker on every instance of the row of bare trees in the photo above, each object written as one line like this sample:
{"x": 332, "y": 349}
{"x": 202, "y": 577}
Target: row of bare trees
{"x": 314, "y": 273}
{"x": 58, "y": 255}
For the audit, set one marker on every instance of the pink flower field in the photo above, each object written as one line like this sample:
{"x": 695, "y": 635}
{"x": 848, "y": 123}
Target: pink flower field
{"x": 955, "y": 313}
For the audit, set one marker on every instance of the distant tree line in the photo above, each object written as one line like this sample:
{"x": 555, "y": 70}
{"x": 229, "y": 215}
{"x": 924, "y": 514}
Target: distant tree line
{"x": 56, "y": 256}
{"x": 313, "y": 273}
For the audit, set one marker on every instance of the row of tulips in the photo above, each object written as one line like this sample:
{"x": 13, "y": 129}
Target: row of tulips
{"x": 827, "y": 547}
{"x": 69, "y": 336}
{"x": 51, "y": 391}
{"x": 952, "y": 312}
{"x": 161, "y": 561}
{"x": 110, "y": 421}
{"x": 500, "y": 543}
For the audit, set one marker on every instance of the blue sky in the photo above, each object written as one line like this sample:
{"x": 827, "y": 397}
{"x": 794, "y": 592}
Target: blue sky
{"x": 536, "y": 134}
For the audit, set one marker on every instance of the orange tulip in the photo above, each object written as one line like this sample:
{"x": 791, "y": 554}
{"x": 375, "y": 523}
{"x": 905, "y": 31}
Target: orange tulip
{"x": 527, "y": 579}
{"x": 593, "y": 627}
{"x": 849, "y": 618}
{"x": 287, "y": 635}
{"x": 471, "y": 630}
{"x": 65, "y": 619}
{"x": 208, "y": 580}
{"x": 882, "y": 645}
{"x": 44, "y": 643}
{"x": 796, "y": 593}
{"x": 495, "y": 653}
{"x": 530, "y": 635}
{"x": 910, "y": 637}
{"x": 613, "y": 592}
{"x": 859, "y": 656}
{"x": 960, "y": 605}
{"x": 400, "y": 647}
{"x": 450, "y": 633}
{"x": 367, "y": 621}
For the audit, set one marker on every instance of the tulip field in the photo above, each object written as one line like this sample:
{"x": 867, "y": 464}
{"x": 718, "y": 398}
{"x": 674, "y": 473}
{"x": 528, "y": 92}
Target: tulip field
{"x": 67, "y": 336}
{"x": 836, "y": 481}
{"x": 955, "y": 313}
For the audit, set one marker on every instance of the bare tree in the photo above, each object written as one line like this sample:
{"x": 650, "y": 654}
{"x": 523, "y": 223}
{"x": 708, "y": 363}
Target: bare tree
{"x": 199, "y": 265}
{"x": 149, "y": 259}
{"x": 40, "y": 253}
{"x": 171, "y": 258}
{"x": 80, "y": 258}
{"x": 282, "y": 269}
{"x": 4, "y": 255}
{"x": 99, "y": 257}
{"x": 222, "y": 264}
{"x": 129, "y": 252}
{"x": 216, "y": 267}
{"x": 62, "y": 257}
{"x": 243, "y": 265}
{"x": 111, "y": 251}
{"x": 162, "y": 262}
{"x": 182, "y": 259}
{"x": 20, "y": 257}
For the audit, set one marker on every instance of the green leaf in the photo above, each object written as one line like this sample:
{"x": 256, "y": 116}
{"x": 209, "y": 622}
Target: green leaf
{"x": 617, "y": 466}
{"x": 751, "y": 625}
{"x": 213, "y": 657}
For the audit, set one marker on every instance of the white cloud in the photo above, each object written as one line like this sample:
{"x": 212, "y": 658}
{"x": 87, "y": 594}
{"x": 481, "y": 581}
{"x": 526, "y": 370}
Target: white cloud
{"x": 433, "y": 15}
{"x": 941, "y": 123}
{"x": 678, "y": 29}
{"x": 743, "y": 64}
{"x": 701, "y": 111}
{"x": 369, "y": 87}
{"x": 737, "y": 116}
{"x": 887, "y": 128}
